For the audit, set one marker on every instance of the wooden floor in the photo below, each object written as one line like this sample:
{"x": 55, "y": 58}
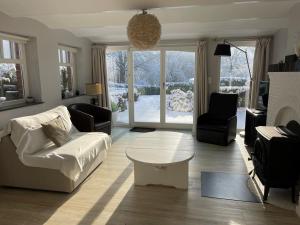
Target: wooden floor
{"x": 109, "y": 197}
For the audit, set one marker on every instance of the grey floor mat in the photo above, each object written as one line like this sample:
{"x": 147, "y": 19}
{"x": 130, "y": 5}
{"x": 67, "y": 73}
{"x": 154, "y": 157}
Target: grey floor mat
{"x": 227, "y": 186}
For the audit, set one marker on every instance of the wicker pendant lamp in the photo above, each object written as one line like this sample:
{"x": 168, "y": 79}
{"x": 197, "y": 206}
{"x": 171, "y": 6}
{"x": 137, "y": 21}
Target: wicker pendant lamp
{"x": 144, "y": 30}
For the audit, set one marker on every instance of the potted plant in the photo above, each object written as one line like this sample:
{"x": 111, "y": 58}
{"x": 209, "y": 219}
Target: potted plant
{"x": 114, "y": 109}
{"x": 30, "y": 99}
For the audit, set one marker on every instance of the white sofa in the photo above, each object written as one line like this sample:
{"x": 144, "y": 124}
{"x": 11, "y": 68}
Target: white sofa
{"x": 28, "y": 159}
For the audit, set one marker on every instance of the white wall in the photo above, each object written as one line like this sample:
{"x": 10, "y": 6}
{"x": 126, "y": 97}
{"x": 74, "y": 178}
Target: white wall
{"x": 279, "y": 46}
{"x": 284, "y": 100}
{"x": 285, "y": 39}
{"x": 293, "y": 29}
{"x": 43, "y": 71}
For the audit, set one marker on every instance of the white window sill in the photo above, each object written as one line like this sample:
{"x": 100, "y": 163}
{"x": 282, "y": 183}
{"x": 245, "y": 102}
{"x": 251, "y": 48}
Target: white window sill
{"x": 74, "y": 96}
{"x": 18, "y": 105}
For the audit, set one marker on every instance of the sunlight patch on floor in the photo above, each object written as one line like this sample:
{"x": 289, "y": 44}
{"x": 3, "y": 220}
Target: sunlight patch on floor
{"x": 95, "y": 204}
{"x": 104, "y": 216}
{"x": 231, "y": 222}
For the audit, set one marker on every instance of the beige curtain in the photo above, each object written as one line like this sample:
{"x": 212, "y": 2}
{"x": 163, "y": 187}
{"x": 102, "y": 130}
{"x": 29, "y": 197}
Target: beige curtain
{"x": 260, "y": 68}
{"x": 99, "y": 74}
{"x": 201, "y": 83}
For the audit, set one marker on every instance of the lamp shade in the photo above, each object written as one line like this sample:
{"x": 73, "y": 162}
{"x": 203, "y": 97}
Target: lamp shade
{"x": 144, "y": 30}
{"x": 223, "y": 50}
{"x": 93, "y": 89}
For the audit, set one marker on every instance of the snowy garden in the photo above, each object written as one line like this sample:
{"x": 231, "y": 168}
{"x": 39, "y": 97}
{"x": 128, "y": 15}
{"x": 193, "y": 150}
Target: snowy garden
{"x": 179, "y": 102}
{"x": 8, "y": 82}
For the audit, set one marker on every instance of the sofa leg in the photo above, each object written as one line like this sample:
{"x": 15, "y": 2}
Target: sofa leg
{"x": 266, "y": 193}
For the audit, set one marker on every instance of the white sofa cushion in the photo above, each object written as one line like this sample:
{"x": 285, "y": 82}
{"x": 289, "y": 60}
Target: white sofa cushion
{"x": 74, "y": 156}
{"x": 29, "y": 127}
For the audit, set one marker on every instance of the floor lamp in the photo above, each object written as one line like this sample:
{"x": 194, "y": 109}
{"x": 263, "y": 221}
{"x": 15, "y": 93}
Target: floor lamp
{"x": 224, "y": 49}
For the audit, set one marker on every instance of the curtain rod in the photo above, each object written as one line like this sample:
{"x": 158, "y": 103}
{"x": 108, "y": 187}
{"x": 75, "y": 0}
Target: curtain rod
{"x": 188, "y": 42}
{"x": 252, "y": 38}
{"x": 184, "y": 42}
{"x": 178, "y": 44}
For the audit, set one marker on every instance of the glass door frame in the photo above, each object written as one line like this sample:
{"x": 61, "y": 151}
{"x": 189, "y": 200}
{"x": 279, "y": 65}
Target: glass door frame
{"x": 162, "y": 123}
{"x": 120, "y": 48}
{"x": 162, "y": 49}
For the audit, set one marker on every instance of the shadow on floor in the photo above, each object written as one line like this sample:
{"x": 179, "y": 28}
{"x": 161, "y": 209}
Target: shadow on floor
{"x": 102, "y": 202}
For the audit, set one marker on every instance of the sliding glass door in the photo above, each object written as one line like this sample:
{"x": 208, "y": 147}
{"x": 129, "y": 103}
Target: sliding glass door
{"x": 146, "y": 86}
{"x": 180, "y": 73}
{"x": 152, "y": 88}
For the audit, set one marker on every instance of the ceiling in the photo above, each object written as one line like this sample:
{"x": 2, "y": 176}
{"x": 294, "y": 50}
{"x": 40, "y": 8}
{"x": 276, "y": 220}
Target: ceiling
{"x": 106, "y": 20}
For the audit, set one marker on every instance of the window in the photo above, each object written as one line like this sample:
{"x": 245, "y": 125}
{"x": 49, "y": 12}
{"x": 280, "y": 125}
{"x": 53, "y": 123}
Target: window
{"x": 117, "y": 71}
{"x": 67, "y": 71}
{"x": 13, "y": 79}
{"x": 234, "y": 77}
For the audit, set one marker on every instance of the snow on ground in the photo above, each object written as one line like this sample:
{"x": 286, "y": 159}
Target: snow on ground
{"x": 147, "y": 109}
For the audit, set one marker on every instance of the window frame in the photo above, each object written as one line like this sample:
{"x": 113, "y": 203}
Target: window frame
{"x": 238, "y": 43}
{"x": 241, "y": 44}
{"x": 22, "y": 61}
{"x": 73, "y": 52}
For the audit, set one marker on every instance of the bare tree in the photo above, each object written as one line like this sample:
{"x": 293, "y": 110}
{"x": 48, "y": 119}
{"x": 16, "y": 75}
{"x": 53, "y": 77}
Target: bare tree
{"x": 121, "y": 60}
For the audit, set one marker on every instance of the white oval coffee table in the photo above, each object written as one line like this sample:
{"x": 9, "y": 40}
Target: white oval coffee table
{"x": 160, "y": 167}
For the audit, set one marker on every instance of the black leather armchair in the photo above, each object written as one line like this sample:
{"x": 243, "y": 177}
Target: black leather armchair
{"x": 90, "y": 118}
{"x": 218, "y": 125}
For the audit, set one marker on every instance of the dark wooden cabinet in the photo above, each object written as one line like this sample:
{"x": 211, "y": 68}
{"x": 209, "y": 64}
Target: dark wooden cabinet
{"x": 254, "y": 118}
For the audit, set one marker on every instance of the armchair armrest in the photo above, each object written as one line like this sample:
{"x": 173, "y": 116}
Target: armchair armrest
{"x": 100, "y": 112}
{"x": 202, "y": 118}
{"x": 82, "y": 121}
